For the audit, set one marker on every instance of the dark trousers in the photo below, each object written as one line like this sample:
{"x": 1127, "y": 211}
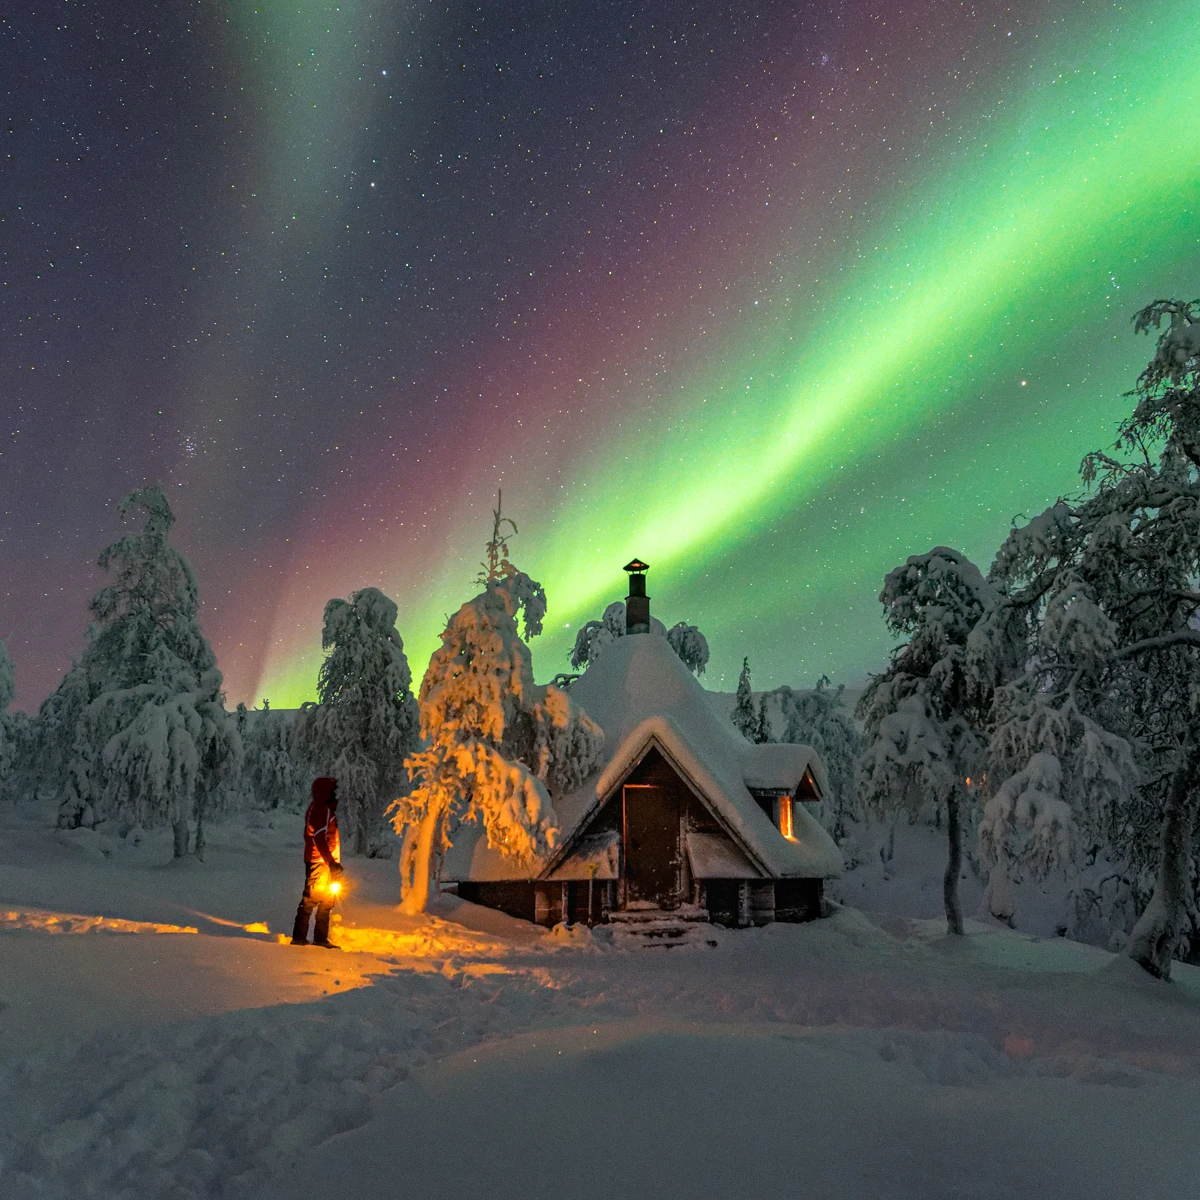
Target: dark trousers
{"x": 315, "y": 896}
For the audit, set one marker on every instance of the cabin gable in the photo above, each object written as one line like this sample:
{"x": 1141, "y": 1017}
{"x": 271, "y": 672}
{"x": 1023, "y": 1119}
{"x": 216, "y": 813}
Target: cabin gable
{"x": 654, "y": 842}
{"x": 655, "y": 767}
{"x": 673, "y": 852}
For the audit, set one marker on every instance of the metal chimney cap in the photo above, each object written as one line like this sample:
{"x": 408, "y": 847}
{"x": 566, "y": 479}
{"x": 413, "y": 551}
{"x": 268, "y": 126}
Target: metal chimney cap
{"x": 636, "y": 566}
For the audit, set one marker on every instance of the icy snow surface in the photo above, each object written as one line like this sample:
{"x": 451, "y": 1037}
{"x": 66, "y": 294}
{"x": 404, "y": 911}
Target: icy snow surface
{"x": 469, "y": 1053}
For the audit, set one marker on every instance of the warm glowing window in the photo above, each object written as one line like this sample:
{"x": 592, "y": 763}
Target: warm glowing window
{"x": 785, "y": 816}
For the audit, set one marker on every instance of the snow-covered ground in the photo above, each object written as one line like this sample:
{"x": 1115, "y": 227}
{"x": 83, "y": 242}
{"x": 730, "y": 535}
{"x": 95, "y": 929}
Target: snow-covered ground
{"x": 174, "y": 1048}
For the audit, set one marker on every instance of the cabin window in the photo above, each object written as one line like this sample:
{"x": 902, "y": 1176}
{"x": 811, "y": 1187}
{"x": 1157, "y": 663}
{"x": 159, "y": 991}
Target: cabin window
{"x": 765, "y": 801}
{"x": 785, "y": 818}
{"x": 808, "y": 789}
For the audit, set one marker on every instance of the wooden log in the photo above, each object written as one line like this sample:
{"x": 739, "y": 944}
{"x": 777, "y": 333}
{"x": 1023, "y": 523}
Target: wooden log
{"x": 762, "y": 903}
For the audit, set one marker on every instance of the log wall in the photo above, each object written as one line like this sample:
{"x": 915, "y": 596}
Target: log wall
{"x": 515, "y": 898}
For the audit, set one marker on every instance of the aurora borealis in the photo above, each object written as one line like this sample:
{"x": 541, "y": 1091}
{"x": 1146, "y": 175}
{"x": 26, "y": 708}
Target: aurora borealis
{"x": 770, "y": 296}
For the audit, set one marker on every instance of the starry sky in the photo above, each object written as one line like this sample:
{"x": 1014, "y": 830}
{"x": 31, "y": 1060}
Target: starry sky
{"x": 770, "y": 295}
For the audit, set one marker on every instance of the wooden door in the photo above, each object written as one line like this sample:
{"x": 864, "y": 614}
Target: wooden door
{"x": 651, "y": 844}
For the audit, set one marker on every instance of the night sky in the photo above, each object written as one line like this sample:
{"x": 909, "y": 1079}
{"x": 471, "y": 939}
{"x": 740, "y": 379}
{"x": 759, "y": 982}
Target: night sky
{"x": 768, "y": 295}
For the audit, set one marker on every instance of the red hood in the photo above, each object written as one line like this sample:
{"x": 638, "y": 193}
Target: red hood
{"x": 322, "y": 788}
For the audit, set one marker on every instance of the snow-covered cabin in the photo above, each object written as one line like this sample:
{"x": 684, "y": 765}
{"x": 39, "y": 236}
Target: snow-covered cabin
{"x": 683, "y": 814}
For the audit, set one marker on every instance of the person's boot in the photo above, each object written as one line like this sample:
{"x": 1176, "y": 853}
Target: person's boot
{"x": 321, "y": 929}
{"x": 300, "y": 928}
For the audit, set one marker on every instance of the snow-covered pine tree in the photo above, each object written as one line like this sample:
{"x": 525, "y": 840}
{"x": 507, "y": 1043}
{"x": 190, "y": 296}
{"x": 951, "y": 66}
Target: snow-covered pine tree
{"x": 925, "y": 716}
{"x": 57, "y": 757}
{"x": 17, "y": 778}
{"x": 21, "y": 780}
{"x": 690, "y": 644}
{"x": 497, "y": 747}
{"x": 137, "y": 729}
{"x": 593, "y": 636}
{"x": 364, "y": 724}
{"x": 1113, "y": 691}
{"x": 590, "y": 640}
{"x": 819, "y": 718}
{"x": 239, "y": 784}
{"x": 1026, "y": 823}
{"x": 1057, "y": 765}
{"x": 762, "y": 720}
{"x": 743, "y": 714}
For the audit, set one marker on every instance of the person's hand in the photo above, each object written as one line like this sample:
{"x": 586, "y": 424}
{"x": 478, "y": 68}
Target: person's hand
{"x": 337, "y": 869}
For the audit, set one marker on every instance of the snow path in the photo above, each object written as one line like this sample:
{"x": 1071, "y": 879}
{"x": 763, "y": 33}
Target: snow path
{"x": 55, "y": 988}
{"x": 211, "y": 1106}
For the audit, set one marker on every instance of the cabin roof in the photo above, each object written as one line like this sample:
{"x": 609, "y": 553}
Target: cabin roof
{"x": 641, "y": 694}
{"x": 778, "y": 766}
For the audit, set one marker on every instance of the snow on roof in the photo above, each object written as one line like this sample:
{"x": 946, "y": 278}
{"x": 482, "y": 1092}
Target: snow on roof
{"x": 596, "y": 856}
{"x": 642, "y": 696}
{"x": 779, "y": 766}
{"x": 471, "y": 858}
{"x": 714, "y": 856}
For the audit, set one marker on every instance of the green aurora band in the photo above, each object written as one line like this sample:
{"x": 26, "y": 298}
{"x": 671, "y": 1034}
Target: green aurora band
{"x": 967, "y": 353}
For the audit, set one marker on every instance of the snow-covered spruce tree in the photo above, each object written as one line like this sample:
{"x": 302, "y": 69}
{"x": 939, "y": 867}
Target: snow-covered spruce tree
{"x": 497, "y": 746}
{"x": 364, "y": 724}
{"x": 21, "y": 781}
{"x": 925, "y": 715}
{"x": 273, "y": 774}
{"x": 1026, "y": 824}
{"x": 743, "y": 715}
{"x": 137, "y": 729}
{"x": 17, "y": 777}
{"x": 591, "y": 638}
{"x": 1117, "y": 677}
{"x": 56, "y": 758}
{"x": 818, "y": 717}
{"x": 1059, "y": 768}
{"x": 690, "y": 644}
{"x": 762, "y": 720}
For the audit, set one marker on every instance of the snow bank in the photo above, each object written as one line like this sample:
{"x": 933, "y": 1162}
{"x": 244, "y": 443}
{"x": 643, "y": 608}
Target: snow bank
{"x": 670, "y": 1111}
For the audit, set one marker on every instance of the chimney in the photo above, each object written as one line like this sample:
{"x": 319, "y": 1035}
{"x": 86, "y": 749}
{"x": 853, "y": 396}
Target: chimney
{"x": 637, "y": 603}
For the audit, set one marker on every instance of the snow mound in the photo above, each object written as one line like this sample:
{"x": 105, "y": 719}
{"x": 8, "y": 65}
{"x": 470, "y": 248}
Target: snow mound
{"x": 212, "y": 1107}
{"x": 46, "y": 922}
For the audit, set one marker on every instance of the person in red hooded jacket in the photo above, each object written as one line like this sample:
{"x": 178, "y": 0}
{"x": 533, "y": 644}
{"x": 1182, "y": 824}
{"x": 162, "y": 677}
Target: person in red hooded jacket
{"x": 322, "y": 864}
